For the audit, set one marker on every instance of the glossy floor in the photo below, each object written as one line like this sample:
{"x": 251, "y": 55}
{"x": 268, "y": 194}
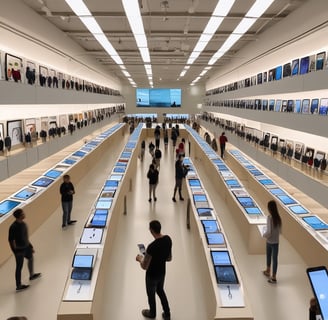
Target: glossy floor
{"x": 124, "y": 294}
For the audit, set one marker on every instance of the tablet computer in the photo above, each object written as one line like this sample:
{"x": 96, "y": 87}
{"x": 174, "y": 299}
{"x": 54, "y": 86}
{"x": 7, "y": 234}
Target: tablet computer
{"x": 8, "y": 205}
{"x": 232, "y": 183}
{"x": 306, "y": 106}
{"x": 277, "y": 191}
{"x": 320, "y": 60}
{"x": 315, "y": 223}
{"x": 246, "y": 201}
{"x": 199, "y": 197}
{"x": 297, "y": 108}
{"x": 278, "y": 73}
{"x": 91, "y": 236}
{"x": 204, "y": 212}
{"x": 323, "y": 109}
{"x": 287, "y": 70}
{"x": 304, "y": 65}
{"x": 318, "y": 277}
{"x": 54, "y": 174}
{"x": 69, "y": 161}
{"x": 82, "y": 261}
{"x": 286, "y": 199}
{"x": 255, "y": 172}
{"x": 99, "y": 220}
{"x": 266, "y": 182}
{"x": 220, "y": 257}
{"x": 216, "y": 239}
{"x": 42, "y": 182}
{"x": 81, "y": 274}
{"x": 226, "y": 274}
{"x": 119, "y": 169}
{"x": 210, "y": 226}
{"x": 253, "y": 210}
{"x": 298, "y": 209}
{"x": 111, "y": 183}
{"x": 194, "y": 183}
{"x": 314, "y": 106}
{"x": 116, "y": 177}
{"x": 295, "y": 67}
{"x": 25, "y": 194}
{"x": 79, "y": 154}
{"x": 104, "y": 204}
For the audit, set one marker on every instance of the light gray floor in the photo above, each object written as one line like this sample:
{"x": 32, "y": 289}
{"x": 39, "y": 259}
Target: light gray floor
{"x": 124, "y": 295}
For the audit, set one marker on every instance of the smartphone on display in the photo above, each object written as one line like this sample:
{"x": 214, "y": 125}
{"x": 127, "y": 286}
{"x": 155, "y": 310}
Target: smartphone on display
{"x": 284, "y": 106}
{"x": 323, "y": 106}
{"x": 287, "y": 70}
{"x": 318, "y": 277}
{"x": 297, "y": 108}
{"x": 295, "y": 67}
{"x": 278, "y": 73}
{"x": 278, "y": 106}
{"x": 142, "y": 248}
{"x": 312, "y": 63}
{"x": 306, "y": 106}
{"x": 314, "y": 106}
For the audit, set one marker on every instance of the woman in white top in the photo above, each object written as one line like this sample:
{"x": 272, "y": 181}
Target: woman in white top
{"x": 272, "y": 241}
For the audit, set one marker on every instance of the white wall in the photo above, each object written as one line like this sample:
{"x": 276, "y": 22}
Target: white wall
{"x": 191, "y": 97}
{"x": 276, "y": 45}
{"x": 26, "y": 34}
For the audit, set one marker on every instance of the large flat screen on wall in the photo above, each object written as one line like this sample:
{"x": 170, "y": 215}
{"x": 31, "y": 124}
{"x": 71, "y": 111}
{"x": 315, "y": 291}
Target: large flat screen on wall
{"x": 160, "y": 97}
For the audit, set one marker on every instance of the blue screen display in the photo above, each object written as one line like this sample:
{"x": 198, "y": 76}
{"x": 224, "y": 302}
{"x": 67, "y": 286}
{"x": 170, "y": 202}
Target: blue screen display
{"x": 277, "y": 191}
{"x": 79, "y": 154}
{"x": 315, "y": 223}
{"x": 82, "y": 261}
{"x": 8, "y": 205}
{"x": 285, "y": 199}
{"x": 69, "y": 161}
{"x": 111, "y": 183}
{"x": 42, "y": 182}
{"x": 266, "y": 182}
{"x": 232, "y": 182}
{"x": 278, "y": 73}
{"x": 253, "y": 210}
{"x": 53, "y": 174}
{"x": 246, "y": 201}
{"x": 159, "y": 97}
{"x": 215, "y": 238}
{"x": 194, "y": 182}
{"x": 210, "y": 226}
{"x": 104, "y": 204}
{"x": 119, "y": 169}
{"x": 298, "y": 209}
{"x": 199, "y": 198}
{"x": 304, "y": 67}
{"x": 25, "y": 194}
{"x": 220, "y": 257}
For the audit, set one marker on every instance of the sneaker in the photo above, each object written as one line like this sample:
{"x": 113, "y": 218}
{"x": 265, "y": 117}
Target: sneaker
{"x": 35, "y": 276}
{"x": 146, "y": 313}
{"x": 72, "y": 222}
{"x": 22, "y": 287}
{"x": 149, "y": 199}
{"x": 63, "y": 226}
{"x": 173, "y": 199}
{"x": 182, "y": 199}
{"x": 155, "y": 199}
{"x": 272, "y": 280}
{"x": 266, "y": 273}
{"x": 166, "y": 316}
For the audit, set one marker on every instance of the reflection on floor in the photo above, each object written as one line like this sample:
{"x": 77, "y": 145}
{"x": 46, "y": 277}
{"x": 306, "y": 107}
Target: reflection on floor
{"x": 125, "y": 296}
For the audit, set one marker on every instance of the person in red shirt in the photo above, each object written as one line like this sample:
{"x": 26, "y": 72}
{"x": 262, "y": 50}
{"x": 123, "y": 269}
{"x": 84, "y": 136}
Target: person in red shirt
{"x": 222, "y": 140}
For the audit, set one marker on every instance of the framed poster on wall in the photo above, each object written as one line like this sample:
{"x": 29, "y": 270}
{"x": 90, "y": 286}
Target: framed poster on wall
{"x": 30, "y": 72}
{"x": 14, "y": 131}
{"x": 43, "y": 74}
{"x": 14, "y": 68}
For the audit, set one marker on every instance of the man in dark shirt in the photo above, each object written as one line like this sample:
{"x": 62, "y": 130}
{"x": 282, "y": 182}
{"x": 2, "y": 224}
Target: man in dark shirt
{"x": 180, "y": 172}
{"x": 67, "y": 191}
{"x": 22, "y": 248}
{"x": 222, "y": 140}
{"x": 154, "y": 261}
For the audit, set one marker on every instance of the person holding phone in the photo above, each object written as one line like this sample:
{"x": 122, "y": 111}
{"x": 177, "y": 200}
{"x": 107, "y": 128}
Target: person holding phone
{"x": 154, "y": 261}
{"x": 67, "y": 190}
{"x": 271, "y": 234}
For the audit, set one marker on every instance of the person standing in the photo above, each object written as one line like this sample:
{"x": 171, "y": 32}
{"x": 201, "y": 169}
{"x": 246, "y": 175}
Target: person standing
{"x": 151, "y": 148}
{"x": 157, "y": 136}
{"x": 152, "y": 176}
{"x": 22, "y": 248}
{"x": 142, "y": 150}
{"x": 271, "y": 234}
{"x": 214, "y": 145}
{"x": 154, "y": 261}
{"x": 180, "y": 170}
{"x": 166, "y": 138}
{"x": 67, "y": 190}
{"x": 222, "y": 140}
{"x": 157, "y": 157}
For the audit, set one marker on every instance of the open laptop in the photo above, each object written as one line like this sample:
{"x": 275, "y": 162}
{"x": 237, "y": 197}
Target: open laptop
{"x": 82, "y": 267}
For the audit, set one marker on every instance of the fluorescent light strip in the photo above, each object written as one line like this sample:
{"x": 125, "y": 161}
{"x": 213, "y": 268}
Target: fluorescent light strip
{"x": 79, "y": 8}
{"x": 244, "y": 25}
{"x": 91, "y": 24}
{"x": 258, "y": 8}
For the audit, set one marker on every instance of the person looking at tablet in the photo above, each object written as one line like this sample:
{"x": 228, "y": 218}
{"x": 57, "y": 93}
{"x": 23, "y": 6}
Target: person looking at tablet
{"x": 154, "y": 262}
{"x": 271, "y": 234}
{"x": 67, "y": 190}
{"x": 22, "y": 248}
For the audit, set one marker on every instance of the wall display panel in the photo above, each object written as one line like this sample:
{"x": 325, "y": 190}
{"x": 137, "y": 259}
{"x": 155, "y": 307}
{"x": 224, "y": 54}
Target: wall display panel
{"x": 290, "y": 105}
{"x": 287, "y": 70}
{"x": 272, "y": 75}
{"x": 312, "y": 63}
{"x": 259, "y": 78}
{"x": 298, "y": 105}
{"x": 279, "y": 73}
{"x": 320, "y": 60}
{"x": 271, "y": 104}
{"x": 265, "y": 76}
{"x": 14, "y": 68}
{"x": 314, "y": 106}
{"x": 160, "y": 97}
{"x": 14, "y": 131}
{"x": 278, "y": 106}
{"x": 30, "y": 72}
{"x": 43, "y": 75}
{"x": 295, "y": 67}
{"x": 284, "y": 106}
{"x": 304, "y": 65}
{"x": 265, "y": 105}
{"x": 323, "y": 108}
{"x": 306, "y": 106}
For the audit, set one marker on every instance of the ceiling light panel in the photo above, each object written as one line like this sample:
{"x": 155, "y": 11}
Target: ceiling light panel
{"x": 79, "y": 7}
{"x": 91, "y": 24}
{"x": 258, "y": 8}
{"x": 244, "y": 25}
{"x": 223, "y": 7}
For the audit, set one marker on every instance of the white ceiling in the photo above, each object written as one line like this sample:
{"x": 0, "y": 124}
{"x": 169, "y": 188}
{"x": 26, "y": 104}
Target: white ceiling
{"x": 172, "y": 27}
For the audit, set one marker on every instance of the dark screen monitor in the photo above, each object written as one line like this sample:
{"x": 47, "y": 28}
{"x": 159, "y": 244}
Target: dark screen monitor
{"x": 315, "y": 223}
{"x": 54, "y": 174}
{"x": 287, "y": 70}
{"x": 210, "y": 226}
{"x": 42, "y": 182}
{"x": 81, "y": 274}
{"x": 215, "y": 238}
{"x": 220, "y": 257}
{"x": 298, "y": 209}
{"x": 226, "y": 274}
{"x": 286, "y": 199}
{"x": 7, "y": 205}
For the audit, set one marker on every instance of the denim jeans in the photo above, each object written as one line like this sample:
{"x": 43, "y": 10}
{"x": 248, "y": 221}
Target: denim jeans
{"x": 67, "y": 209}
{"x": 272, "y": 252}
{"x": 19, "y": 256}
{"x": 156, "y": 285}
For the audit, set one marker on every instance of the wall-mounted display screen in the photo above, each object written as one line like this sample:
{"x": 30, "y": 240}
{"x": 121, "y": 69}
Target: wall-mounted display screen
{"x": 306, "y": 106}
{"x": 159, "y": 97}
{"x": 279, "y": 73}
{"x": 297, "y": 108}
{"x": 314, "y": 106}
{"x": 7, "y": 205}
{"x": 210, "y": 226}
{"x": 220, "y": 257}
{"x": 226, "y": 274}
{"x": 42, "y": 182}
{"x": 295, "y": 67}
{"x": 315, "y": 223}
